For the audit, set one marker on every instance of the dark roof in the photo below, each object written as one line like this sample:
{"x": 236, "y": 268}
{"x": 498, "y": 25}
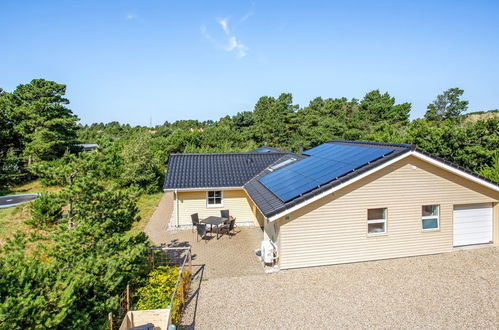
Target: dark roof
{"x": 269, "y": 149}
{"x": 261, "y": 196}
{"x": 199, "y": 170}
{"x": 270, "y": 204}
{"x": 245, "y": 170}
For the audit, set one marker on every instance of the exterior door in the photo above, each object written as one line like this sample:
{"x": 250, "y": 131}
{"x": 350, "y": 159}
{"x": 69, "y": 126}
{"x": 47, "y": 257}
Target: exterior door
{"x": 472, "y": 224}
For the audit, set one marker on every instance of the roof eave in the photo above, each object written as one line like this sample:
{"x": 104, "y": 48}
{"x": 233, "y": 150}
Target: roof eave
{"x": 339, "y": 184}
{"x": 202, "y": 188}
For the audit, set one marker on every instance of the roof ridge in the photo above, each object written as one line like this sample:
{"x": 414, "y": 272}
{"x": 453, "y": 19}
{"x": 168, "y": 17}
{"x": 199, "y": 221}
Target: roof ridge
{"x": 226, "y": 153}
{"x": 374, "y": 143}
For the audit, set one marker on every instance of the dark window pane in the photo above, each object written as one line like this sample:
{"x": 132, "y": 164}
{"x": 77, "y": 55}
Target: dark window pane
{"x": 429, "y": 210}
{"x": 218, "y": 194}
{"x": 430, "y": 223}
{"x": 375, "y": 214}
{"x": 374, "y": 228}
{"x": 211, "y": 194}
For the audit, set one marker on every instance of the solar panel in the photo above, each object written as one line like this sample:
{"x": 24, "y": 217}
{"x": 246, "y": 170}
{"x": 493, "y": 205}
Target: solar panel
{"x": 325, "y": 163}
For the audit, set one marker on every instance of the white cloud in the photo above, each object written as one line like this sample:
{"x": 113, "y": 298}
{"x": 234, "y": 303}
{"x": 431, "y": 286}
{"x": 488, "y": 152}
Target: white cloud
{"x": 131, "y": 16}
{"x": 232, "y": 43}
{"x": 224, "y": 23}
{"x": 235, "y": 45}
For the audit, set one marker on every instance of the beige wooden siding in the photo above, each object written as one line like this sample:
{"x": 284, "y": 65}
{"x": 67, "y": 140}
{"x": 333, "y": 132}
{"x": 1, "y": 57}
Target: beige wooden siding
{"x": 260, "y": 219}
{"x": 334, "y": 229}
{"x": 236, "y": 201}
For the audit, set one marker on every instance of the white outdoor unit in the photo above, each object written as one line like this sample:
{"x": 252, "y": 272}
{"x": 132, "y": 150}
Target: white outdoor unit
{"x": 267, "y": 250}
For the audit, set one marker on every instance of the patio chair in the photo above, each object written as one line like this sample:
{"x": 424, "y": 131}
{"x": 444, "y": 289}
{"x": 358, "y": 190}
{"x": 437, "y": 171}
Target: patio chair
{"x": 229, "y": 227}
{"x": 225, "y": 214}
{"x": 201, "y": 231}
{"x": 195, "y": 220}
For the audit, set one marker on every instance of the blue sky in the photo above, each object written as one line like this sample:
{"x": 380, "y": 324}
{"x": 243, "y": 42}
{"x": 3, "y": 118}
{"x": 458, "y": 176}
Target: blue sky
{"x": 132, "y": 60}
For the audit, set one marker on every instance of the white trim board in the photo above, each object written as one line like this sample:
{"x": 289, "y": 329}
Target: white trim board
{"x": 415, "y": 153}
{"x": 202, "y": 189}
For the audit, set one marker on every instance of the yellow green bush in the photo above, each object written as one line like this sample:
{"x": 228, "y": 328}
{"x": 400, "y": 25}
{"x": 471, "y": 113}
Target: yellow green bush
{"x": 156, "y": 294}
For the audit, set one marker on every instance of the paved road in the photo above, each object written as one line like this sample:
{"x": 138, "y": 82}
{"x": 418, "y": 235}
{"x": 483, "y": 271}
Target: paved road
{"x": 8, "y": 201}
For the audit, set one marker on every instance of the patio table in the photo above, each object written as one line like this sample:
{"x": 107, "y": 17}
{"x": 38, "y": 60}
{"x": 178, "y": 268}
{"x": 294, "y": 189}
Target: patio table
{"x": 213, "y": 221}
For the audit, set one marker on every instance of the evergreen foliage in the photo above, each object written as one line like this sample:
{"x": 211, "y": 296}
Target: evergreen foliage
{"x": 45, "y": 210}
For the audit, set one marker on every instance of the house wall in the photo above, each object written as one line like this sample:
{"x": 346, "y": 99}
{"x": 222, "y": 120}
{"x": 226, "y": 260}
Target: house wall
{"x": 333, "y": 229}
{"x": 236, "y": 201}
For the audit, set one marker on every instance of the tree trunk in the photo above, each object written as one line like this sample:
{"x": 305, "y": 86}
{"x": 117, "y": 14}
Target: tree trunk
{"x": 29, "y": 163}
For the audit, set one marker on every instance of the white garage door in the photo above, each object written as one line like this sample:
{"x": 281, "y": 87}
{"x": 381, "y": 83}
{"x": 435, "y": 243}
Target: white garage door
{"x": 472, "y": 224}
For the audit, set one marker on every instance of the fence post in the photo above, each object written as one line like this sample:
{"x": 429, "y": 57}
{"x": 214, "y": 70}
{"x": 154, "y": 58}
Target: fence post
{"x": 182, "y": 289}
{"x": 110, "y": 318}
{"x": 190, "y": 261}
{"x": 127, "y": 297}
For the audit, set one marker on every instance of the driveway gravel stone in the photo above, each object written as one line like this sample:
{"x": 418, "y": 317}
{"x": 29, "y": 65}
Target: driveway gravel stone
{"x": 455, "y": 290}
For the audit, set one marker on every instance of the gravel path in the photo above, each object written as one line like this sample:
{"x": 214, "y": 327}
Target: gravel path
{"x": 156, "y": 227}
{"x": 453, "y": 291}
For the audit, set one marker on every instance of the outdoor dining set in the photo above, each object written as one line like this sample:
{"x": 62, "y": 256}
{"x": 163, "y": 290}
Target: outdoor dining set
{"x": 224, "y": 224}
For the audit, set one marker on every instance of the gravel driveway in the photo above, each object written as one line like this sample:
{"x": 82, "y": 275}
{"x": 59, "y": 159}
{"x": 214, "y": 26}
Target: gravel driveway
{"x": 453, "y": 291}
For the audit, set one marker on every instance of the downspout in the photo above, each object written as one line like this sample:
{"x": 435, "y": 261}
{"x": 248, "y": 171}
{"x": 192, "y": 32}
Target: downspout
{"x": 176, "y": 201}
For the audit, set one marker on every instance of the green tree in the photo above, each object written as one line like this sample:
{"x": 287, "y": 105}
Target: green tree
{"x": 76, "y": 277}
{"x": 447, "y": 105}
{"x": 243, "y": 119}
{"x": 491, "y": 171}
{"x": 90, "y": 204}
{"x": 275, "y": 119}
{"x": 43, "y": 125}
{"x": 139, "y": 166}
{"x": 377, "y": 107}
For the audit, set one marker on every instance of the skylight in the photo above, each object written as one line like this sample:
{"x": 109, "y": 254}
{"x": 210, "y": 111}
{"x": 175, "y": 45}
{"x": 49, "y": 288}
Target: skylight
{"x": 281, "y": 164}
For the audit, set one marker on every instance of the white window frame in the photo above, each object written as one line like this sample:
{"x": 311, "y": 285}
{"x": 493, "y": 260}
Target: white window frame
{"x": 208, "y": 205}
{"x": 374, "y": 221}
{"x": 429, "y": 217}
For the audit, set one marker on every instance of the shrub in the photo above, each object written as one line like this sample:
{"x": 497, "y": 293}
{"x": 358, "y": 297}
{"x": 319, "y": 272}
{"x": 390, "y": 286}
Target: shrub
{"x": 45, "y": 210}
{"x": 156, "y": 294}
{"x": 179, "y": 300}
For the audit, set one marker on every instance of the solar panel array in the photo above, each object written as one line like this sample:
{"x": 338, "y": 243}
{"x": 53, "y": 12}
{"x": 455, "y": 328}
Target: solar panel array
{"x": 325, "y": 163}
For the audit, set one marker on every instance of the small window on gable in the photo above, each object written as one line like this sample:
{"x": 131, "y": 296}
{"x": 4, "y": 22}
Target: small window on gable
{"x": 214, "y": 198}
{"x": 430, "y": 217}
{"x": 376, "y": 221}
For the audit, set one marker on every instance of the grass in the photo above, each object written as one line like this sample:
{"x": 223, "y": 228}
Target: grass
{"x": 12, "y": 218}
{"x": 146, "y": 204}
{"x": 34, "y": 186}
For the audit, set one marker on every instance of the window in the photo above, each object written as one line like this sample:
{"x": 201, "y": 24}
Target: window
{"x": 376, "y": 221}
{"x": 214, "y": 198}
{"x": 429, "y": 217}
{"x": 286, "y": 162}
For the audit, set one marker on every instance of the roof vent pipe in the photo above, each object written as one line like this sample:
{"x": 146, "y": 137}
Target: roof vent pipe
{"x": 300, "y": 148}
